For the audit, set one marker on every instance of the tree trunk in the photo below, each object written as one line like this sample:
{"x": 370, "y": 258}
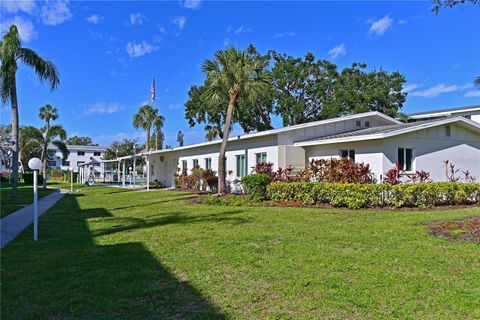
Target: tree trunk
{"x": 147, "y": 142}
{"x": 15, "y": 124}
{"x": 44, "y": 165}
{"x": 226, "y": 132}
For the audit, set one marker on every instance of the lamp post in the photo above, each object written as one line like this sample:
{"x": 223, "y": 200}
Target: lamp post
{"x": 71, "y": 179}
{"x": 35, "y": 164}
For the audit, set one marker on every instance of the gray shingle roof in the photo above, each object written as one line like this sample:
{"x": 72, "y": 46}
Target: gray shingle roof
{"x": 458, "y": 109}
{"x": 375, "y": 130}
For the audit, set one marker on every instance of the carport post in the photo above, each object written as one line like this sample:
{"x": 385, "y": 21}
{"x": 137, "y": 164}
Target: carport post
{"x": 148, "y": 172}
{"x": 123, "y": 174}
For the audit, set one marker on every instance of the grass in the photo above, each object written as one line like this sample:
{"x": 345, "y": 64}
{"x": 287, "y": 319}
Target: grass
{"x": 108, "y": 253}
{"x": 24, "y": 198}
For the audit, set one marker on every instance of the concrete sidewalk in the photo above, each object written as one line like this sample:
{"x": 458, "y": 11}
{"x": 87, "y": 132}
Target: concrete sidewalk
{"x": 16, "y": 222}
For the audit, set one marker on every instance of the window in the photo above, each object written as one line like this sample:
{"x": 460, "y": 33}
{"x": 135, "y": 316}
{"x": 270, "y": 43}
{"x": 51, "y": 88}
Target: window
{"x": 349, "y": 154}
{"x": 405, "y": 158}
{"x": 80, "y": 162}
{"x": 52, "y": 163}
{"x": 65, "y": 163}
{"x": 358, "y": 123}
{"x": 261, "y": 157}
{"x": 184, "y": 166}
{"x": 241, "y": 166}
{"x": 208, "y": 163}
{"x": 367, "y": 124}
{"x": 97, "y": 153}
{"x": 448, "y": 131}
{"x": 195, "y": 163}
{"x": 80, "y": 153}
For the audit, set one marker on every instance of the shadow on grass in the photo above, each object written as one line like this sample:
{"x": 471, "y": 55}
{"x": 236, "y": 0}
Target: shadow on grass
{"x": 67, "y": 275}
{"x": 175, "y": 199}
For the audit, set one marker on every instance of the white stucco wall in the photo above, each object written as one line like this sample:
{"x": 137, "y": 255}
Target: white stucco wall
{"x": 431, "y": 147}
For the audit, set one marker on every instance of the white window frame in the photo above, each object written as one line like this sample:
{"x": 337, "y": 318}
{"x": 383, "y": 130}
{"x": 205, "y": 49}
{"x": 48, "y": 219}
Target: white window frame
{"x": 349, "y": 151}
{"x": 260, "y": 154}
{"x": 404, "y": 167}
{"x": 208, "y": 163}
{"x": 244, "y": 173}
{"x": 448, "y": 131}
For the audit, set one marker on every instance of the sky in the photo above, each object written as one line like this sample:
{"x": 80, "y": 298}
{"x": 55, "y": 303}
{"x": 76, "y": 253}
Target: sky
{"x": 108, "y": 52}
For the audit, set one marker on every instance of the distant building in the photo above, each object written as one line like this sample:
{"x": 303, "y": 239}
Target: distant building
{"x": 469, "y": 112}
{"x": 77, "y": 155}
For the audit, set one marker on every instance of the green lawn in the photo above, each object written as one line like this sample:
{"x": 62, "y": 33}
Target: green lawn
{"x": 25, "y": 197}
{"x": 107, "y": 253}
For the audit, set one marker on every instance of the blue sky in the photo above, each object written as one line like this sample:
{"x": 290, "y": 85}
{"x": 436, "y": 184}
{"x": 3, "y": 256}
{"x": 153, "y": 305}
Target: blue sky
{"x": 107, "y": 53}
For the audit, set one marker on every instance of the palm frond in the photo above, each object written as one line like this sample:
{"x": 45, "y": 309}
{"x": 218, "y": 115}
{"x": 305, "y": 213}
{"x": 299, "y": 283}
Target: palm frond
{"x": 62, "y": 147}
{"x": 44, "y": 68}
{"x": 56, "y": 131}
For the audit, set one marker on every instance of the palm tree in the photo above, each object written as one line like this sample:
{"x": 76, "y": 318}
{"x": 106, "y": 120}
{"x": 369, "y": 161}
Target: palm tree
{"x": 56, "y": 135}
{"x": 11, "y": 51}
{"x": 145, "y": 118}
{"x": 158, "y": 125}
{"x": 477, "y": 82}
{"x": 232, "y": 73}
{"x": 48, "y": 113}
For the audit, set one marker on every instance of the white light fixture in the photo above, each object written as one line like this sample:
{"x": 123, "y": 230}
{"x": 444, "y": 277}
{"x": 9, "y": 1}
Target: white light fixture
{"x": 35, "y": 164}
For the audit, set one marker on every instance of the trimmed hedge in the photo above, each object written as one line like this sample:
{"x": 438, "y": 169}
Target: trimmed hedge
{"x": 28, "y": 178}
{"x": 256, "y": 185}
{"x": 357, "y": 196}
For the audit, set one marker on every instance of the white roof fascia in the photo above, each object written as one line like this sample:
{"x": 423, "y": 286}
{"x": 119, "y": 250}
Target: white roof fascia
{"x": 284, "y": 129}
{"x": 374, "y": 136}
{"x": 435, "y": 114}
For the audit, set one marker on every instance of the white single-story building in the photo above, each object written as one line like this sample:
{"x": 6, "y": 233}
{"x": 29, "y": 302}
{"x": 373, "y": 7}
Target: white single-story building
{"x": 370, "y": 137}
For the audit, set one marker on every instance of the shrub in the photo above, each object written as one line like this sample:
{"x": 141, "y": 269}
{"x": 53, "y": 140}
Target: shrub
{"x": 356, "y": 196}
{"x": 229, "y": 200}
{"x": 28, "y": 178}
{"x": 336, "y": 170}
{"x": 255, "y": 185}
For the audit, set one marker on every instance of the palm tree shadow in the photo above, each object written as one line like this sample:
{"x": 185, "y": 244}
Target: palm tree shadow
{"x": 94, "y": 281}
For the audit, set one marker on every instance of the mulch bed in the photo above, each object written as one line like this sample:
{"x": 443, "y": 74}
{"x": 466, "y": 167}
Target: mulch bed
{"x": 464, "y": 230}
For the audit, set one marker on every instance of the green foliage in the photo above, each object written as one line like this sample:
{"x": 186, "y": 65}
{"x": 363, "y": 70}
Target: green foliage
{"x": 231, "y": 200}
{"x": 28, "y": 178}
{"x": 146, "y": 118}
{"x": 357, "y": 196}
{"x": 256, "y": 185}
{"x": 80, "y": 141}
{"x": 125, "y": 147}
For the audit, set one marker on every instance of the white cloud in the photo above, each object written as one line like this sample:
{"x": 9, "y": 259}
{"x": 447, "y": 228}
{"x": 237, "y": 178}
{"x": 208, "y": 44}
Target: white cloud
{"x": 410, "y": 87}
{"x": 25, "y": 28}
{"x": 180, "y": 22}
{"x": 379, "y": 27}
{"x": 27, "y": 6}
{"x": 55, "y": 12}
{"x": 175, "y": 106}
{"x": 472, "y": 94}
{"x": 139, "y": 49}
{"x": 285, "y": 34}
{"x": 242, "y": 29}
{"x": 95, "y": 19}
{"x": 229, "y": 28}
{"x": 439, "y": 89}
{"x": 402, "y": 21}
{"x": 137, "y": 19}
{"x": 339, "y": 50}
{"x": 101, "y": 108}
{"x": 226, "y": 42}
{"x": 191, "y": 4}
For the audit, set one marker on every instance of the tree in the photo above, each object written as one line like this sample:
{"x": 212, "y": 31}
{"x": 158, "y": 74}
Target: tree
{"x": 250, "y": 115}
{"x": 29, "y": 148}
{"x": 46, "y": 136}
{"x": 477, "y": 82}
{"x": 145, "y": 118}
{"x": 159, "y": 137}
{"x": 11, "y": 51}
{"x": 123, "y": 148}
{"x": 438, "y": 4}
{"x": 80, "y": 141}
{"x": 6, "y": 144}
{"x": 309, "y": 90}
{"x": 232, "y": 74}
{"x": 180, "y": 137}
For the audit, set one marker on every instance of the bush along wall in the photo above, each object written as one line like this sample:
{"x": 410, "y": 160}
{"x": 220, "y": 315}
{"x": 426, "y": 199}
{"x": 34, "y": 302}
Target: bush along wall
{"x": 357, "y": 196}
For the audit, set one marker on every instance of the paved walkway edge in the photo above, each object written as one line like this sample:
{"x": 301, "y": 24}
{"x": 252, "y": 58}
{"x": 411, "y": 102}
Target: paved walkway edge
{"x": 16, "y": 222}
